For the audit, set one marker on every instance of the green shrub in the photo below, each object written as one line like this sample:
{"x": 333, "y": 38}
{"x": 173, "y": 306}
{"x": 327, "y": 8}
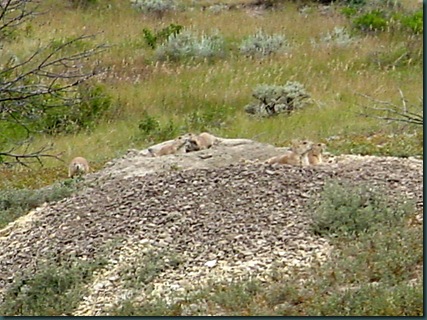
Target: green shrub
{"x": 414, "y": 21}
{"x": 273, "y": 100}
{"x": 153, "y": 131}
{"x": 348, "y": 209}
{"x": 262, "y": 44}
{"x": 375, "y": 20}
{"x": 338, "y": 36}
{"x": 92, "y": 103}
{"x": 157, "y": 7}
{"x": 54, "y": 289}
{"x": 187, "y": 45}
{"x": 153, "y": 38}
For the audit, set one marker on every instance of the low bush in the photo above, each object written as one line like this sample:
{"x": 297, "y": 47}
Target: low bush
{"x": 92, "y": 104}
{"x": 273, "y": 99}
{"x": 187, "y": 45}
{"x": 261, "y": 44}
{"x": 153, "y": 38}
{"x": 352, "y": 209}
{"x": 156, "y": 7}
{"x": 154, "y": 132}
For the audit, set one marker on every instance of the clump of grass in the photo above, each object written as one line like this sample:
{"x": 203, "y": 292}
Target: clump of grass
{"x": 16, "y": 202}
{"x": 54, "y": 289}
{"x": 347, "y": 209}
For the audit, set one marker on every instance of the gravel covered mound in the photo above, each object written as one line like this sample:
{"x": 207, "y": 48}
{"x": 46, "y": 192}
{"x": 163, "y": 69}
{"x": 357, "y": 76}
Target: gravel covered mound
{"x": 222, "y": 222}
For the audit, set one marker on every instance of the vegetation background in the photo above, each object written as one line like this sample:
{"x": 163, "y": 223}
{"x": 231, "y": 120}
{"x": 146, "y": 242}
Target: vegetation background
{"x": 145, "y": 97}
{"x": 174, "y": 67}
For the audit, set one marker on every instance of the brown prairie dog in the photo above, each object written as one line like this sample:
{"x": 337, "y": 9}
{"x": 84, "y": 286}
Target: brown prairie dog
{"x": 202, "y": 141}
{"x": 315, "y": 155}
{"x": 78, "y": 166}
{"x": 171, "y": 148}
{"x": 297, "y": 156}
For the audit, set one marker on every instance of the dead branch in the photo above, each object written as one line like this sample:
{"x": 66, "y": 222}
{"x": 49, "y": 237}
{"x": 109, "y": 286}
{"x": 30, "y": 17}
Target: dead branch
{"x": 394, "y": 113}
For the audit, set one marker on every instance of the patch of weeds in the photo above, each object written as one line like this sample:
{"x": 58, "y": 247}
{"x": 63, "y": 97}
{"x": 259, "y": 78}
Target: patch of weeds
{"x": 207, "y": 118}
{"x": 54, "y": 289}
{"x": 348, "y": 209}
{"x": 261, "y": 44}
{"x": 153, "y": 131}
{"x": 375, "y": 20}
{"x": 93, "y": 103}
{"x": 17, "y": 202}
{"x": 370, "y": 275}
{"x": 369, "y": 300}
{"x": 147, "y": 267}
{"x": 413, "y": 21}
{"x": 153, "y": 38}
{"x": 235, "y": 298}
{"x": 273, "y": 100}
{"x": 396, "y": 145}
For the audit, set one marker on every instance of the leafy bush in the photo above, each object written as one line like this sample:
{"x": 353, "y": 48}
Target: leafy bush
{"x": 346, "y": 209}
{"x": 16, "y": 202}
{"x": 187, "y": 45}
{"x": 414, "y": 21}
{"x": 153, "y": 38}
{"x": 157, "y": 7}
{"x": 375, "y": 20}
{"x": 273, "y": 100}
{"x": 93, "y": 103}
{"x": 262, "y": 44}
{"x": 153, "y": 131}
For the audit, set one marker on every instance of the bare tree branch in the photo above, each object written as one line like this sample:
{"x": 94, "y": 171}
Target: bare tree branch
{"x": 395, "y": 113}
{"x": 47, "y": 78}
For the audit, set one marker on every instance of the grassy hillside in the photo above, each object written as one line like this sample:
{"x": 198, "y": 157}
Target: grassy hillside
{"x": 197, "y": 94}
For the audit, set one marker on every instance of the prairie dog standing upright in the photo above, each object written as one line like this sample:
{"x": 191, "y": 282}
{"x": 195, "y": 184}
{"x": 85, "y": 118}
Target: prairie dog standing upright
{"x": 171, "y": 148}
{"x": 315, "y": 156}
{"x": 78, "y": 166}
{"x": 297, "y": 156}
{"x": 202, "y": 141}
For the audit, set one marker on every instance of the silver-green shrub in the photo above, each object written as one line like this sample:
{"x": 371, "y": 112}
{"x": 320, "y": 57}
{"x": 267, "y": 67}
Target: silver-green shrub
{"x": 274, "y": 99}
{"x": 189, "y": 45}
{"x": 338, "y": 36}
{"x": 261, "y": 44}
{"x": 158, "y": 7}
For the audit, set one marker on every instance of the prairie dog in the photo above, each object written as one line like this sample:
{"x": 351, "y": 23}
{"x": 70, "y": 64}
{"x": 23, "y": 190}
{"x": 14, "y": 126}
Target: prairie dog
{"x": 78, "y": 166}
{"x": 315, "y": 156}
{"x": 171, "y": 148}
{"x": 297, "y": 156}
{"x": 202, "y": 141}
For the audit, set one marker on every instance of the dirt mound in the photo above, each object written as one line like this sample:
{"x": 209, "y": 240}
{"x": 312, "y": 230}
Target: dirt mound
{"x": 218, "y": 216}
